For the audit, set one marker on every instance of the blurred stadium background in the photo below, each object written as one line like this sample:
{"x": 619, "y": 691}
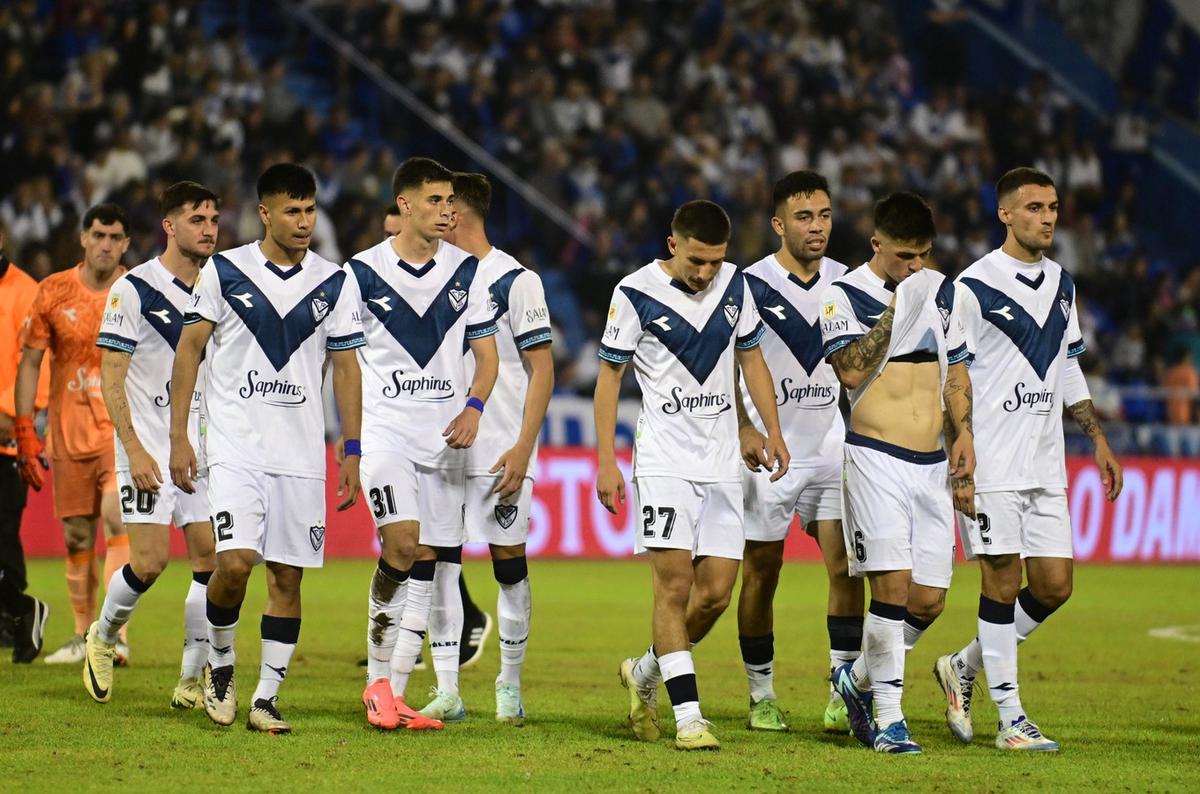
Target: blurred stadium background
{"x": 595, "y": 119}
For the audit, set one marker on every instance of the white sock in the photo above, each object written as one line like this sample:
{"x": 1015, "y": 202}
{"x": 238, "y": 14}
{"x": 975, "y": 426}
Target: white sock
{"x": 969, "y": 661}
{"x": 120, "y": 599}
{"x": 998, "y": 641}
{"x": 860, "y": 673}
{"x": 758, "y": 657}
{"x": 446, "y": 624}
{"x": 414, "y": 621}
{"x": 195, "y": 626}
{"x": 514, "y": 607}
{"x": 679, "y": 674}
{"x": 1030, "y": 613}
{"x": 646, "y": 671}
{"x": 914, "y": 627}
{"x": 385, "y": 604}
{"x": 279, "y": 637}
{"x": 883, "y": 637}
{"x": 222, "y": 633}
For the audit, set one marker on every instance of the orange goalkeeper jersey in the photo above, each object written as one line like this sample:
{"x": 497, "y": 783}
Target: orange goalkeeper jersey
{"x": 17, "y": 289}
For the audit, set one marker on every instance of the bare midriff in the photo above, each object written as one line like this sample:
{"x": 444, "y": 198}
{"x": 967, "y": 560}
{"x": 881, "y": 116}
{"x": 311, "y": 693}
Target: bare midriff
{"x": 902, "y": 407}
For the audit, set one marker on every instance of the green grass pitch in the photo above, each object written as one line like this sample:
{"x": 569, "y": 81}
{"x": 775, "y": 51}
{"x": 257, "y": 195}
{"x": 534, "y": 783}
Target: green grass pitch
{"x": 1125, "y": 705}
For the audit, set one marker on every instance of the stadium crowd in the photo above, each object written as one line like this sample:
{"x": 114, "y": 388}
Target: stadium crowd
{"x": 616, "y": 110}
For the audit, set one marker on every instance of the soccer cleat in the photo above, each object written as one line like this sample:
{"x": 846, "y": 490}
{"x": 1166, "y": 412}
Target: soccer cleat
{"x": 29, "y": 628}
{"x": 266, "y": 718}
{"x": 765, "y": 715}
{"x": 381, "y": 705}
{"x": 895, "y": 739}
{"x": 1022, "y": 734}
{"x": 835, "y": 719}
{"x": 859, "y": 706}
{"x": 696, "y": 734}
{"x": 509, "y": 707}
{"x": 189, "y": 694}
{"x": 72, "y": 651}
{"x": 474, "y": 634}
{"x": 220, "y": 694}
{"x": 121, "y": 656}
{"x": 643, "y": 705}
{"x": 958, "y": 692}
{"x": 444, "y": 706}
{"x": 98, "y": 665}
{"x": 415, "y": 720}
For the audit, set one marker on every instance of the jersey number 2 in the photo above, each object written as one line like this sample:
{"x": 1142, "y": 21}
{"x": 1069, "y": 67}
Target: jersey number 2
{"x": 649, "y": 515}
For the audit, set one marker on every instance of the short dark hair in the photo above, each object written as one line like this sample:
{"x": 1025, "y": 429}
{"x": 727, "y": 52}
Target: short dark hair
{"x": 185, "y": 193}
{"x": 287, "y": 179}
{"x": 701, "y": 220}
{"x": 416, "y": 171}
{"x": 905, "y": 216}
{"x": 474, "y": 190}
{"x": 1020, "y": 177}
{"x": 799, "y": 182}
{"x": 108, "y": 214}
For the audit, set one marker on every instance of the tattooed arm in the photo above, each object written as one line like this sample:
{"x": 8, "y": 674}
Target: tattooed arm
{"x": 143, "y": 469}
{"x": 1110, "y": 469}
{"x": 855, "y": 362}
{"x": 753, "y": 443}
{"x": 960, "y": 436}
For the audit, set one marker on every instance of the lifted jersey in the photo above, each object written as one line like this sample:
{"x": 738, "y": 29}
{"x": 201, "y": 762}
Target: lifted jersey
{"x": 516, "y": 299}
{"x": 144, "y": 317}
{"x": 806, "y": 388}
{"x": 272, "y": 328}
{"x": 681, "y": 343}
{"x": 1021, "y": 327}
{"x": 923, "y": 325}
{"x": 417, "y": 322}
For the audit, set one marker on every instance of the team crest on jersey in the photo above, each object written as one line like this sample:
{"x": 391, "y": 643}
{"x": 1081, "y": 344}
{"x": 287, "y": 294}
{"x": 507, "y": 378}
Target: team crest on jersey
{"x": 829, "y": 310}
{"x": 1066, "y": 308}
{"x": 458, "y": 298}
{"x": 505, "y": 515}
{"x": 945, "y": 318}
{"x": 316, "y": 536}
{"x": 731, "y": 313}
{"x": 492, "y": 307}
{"x": 319, "y": 308}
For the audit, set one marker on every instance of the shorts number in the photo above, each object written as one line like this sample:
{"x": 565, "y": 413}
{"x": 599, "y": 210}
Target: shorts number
{"x": 143, "y": 501}
{"x": 985, "y": 526}
{"x": 860, "y": 551}
{"x": 650, "y": 515}
{"x": 222, "y": 523}
{"x": 383, "y": 502}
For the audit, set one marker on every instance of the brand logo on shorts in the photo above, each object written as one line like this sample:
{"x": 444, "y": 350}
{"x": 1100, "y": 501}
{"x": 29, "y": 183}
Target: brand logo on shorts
{"x": 458, "y": 299}
{"x": 505, "y": 515}
{"x": 316, "y": 536}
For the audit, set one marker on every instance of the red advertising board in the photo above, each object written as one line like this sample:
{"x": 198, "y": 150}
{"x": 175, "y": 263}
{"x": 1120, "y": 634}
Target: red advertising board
{"x": 1157, "y": 518}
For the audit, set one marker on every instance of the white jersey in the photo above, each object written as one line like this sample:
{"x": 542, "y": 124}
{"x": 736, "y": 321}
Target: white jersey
{"x": 518, "y": 304}
{"x": 806, "y": 387}
{"x": 418, "y": 321}
{"x": 144, "y": 317}
{"x": 1021, "y": 327}
{"x": 924, "y": 327}
{"x": 681, "y": 343}
{"x": 273, "y": 326}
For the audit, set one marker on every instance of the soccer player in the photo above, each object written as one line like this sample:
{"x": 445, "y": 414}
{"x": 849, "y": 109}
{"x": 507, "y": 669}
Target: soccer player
{"x": 683, "y": 322}
{"x": 141, "y": 326}
{"x": 501, "y": 462}
{"x": 1021, "y": 324}
{"x": 64, "y": 319}
{"x": 788, "y": 288}
{"x": 25, "y": 615}
{"x": 424, "y": 305}
{"x": 893, "y": 342}
{"x": 272, "y": 309}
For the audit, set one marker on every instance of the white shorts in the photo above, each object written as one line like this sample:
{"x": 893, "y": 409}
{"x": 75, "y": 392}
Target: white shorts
{"x": 1032, "y": 523}
{"x": 398, "y": 489}
{"x": 899, "y": 514}
{"x": 814, "y": 494}
{"x": 169, "y": 506}
{"x": 704, "y": 518}
{"x": 280, "y": 517}
{"x": 492, "y": 520}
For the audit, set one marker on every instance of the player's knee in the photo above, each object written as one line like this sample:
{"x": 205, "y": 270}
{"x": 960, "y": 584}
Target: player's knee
{"x": 399, "y": 550}
{"x": 149, "y": 565}
{"x": 712, "y": 601}
{"x": 235, "y": 569}
{"x": 762, "y": 569}
{"x": 927, "y": 611}
{"x": 1052, "y": 594}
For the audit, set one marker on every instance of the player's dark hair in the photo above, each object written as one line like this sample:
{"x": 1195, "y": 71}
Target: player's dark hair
{"x": 473, "y": 190}
{"x": 701, "y": 220}
{"x": 416, "y": 171}
{"x": 108, "y": 214}
{"x": 803, "y": 183}
{"x": 906, "y": 217}
{"x": 185, "y": 194}
{"x": 1020, "y": 177}
{"x": 287, "y": 179}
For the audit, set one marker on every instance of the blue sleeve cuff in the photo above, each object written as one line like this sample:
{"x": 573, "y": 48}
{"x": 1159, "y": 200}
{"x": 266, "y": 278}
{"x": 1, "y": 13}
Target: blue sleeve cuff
{"x": 481, "y": 330}
{"x": 957, "y": 355}
{"x": 751, "y": 340}
{"x": 1076, "y": 348}
{"x": 114, "y": 342}
{"x": 538, "y": 336}
{"x": 191, "y": 317}
{"x": 834, "y": 345}
{"x": 615, "y": 355}
{"x": 347, "y": 342}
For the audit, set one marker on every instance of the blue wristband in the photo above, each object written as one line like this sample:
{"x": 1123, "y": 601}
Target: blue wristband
{"x": 352, "y": 446}
{"x": 476, "y": 403}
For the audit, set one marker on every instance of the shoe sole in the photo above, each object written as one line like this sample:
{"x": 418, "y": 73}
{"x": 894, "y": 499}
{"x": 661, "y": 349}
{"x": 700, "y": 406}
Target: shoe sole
{"x": 636, "y": 704}
{"x": 516, "y": 722}
{"x": 942, "y": 676}
{"x": 269, "y": 731}
{"x": 477, "y": 654}
{"x": 785, "y": 728}
{"x": 689, "y": 747}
